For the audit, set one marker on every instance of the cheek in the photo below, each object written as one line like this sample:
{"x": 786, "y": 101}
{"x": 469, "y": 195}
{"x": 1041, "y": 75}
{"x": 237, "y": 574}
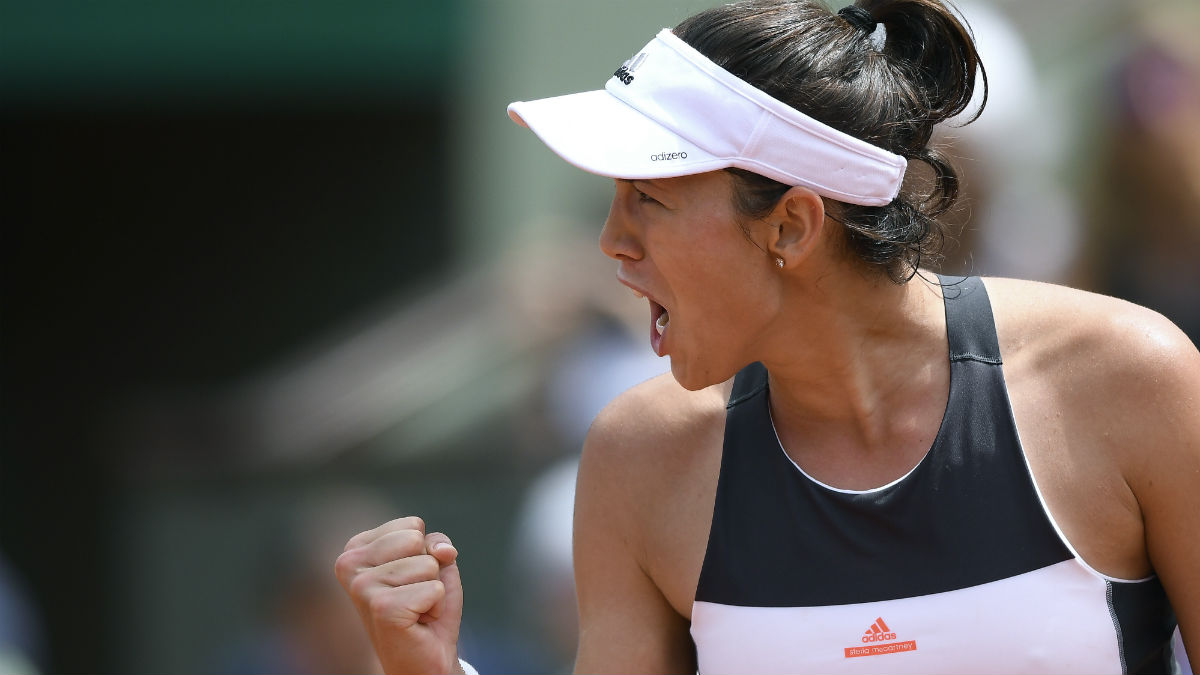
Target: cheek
{"x": 717, "y": 275}
{"x": 751, "y": 297}
{"x": 730, "y": 297}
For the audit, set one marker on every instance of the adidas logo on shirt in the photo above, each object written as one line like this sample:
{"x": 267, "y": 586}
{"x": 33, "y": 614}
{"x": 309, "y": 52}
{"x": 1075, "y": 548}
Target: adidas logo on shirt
{"x": 879, "y": 632}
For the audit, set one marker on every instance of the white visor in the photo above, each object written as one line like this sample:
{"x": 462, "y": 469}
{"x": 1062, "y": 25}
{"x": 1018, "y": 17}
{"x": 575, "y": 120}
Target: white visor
{"x": 669, "y": 111}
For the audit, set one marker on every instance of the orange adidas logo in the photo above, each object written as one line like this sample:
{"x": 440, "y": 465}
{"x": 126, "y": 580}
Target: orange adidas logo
{"x": 879, "y": 632}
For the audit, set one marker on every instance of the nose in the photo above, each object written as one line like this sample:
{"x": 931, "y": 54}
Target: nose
{"x": 619, "y": 239}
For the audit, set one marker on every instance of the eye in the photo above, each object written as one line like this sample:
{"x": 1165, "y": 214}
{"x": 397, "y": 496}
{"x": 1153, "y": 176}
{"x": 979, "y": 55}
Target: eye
{"x": 645, "y": 198}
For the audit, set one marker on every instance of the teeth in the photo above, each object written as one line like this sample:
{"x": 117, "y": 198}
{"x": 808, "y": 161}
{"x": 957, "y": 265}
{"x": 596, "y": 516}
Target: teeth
{"x": 661, "y": 324}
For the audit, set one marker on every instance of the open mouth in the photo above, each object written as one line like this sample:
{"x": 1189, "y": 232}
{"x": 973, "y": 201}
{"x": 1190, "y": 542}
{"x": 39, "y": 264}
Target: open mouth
{"x": 660, "y": 319}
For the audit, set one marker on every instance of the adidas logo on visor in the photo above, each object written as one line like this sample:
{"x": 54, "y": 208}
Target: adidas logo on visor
{"x": 625, "y": 72}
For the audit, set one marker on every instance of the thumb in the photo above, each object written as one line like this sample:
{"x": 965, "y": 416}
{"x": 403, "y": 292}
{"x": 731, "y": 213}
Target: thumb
{"x": 454, "y": 592}
{"x": 450, "y": 608}
{"x": 441, "y": 548}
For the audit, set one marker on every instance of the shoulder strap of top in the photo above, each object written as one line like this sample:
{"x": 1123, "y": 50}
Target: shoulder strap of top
{"x": 748, "y": 382}
{"x": 969, "y": 323}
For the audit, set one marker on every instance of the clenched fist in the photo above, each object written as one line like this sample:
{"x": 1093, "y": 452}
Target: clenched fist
{"x": 407, "y": 590}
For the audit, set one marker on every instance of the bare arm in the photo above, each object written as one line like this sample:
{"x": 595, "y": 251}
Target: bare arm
{"x": 1112, "y": 391}
{"x": 626, "y": 624}
{"x": 1162, "y": 466}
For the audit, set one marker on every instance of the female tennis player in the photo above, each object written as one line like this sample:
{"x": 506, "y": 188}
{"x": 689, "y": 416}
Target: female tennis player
{"x": 857, "y": 466}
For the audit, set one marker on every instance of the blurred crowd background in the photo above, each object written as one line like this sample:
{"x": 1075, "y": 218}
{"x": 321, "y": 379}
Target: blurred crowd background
{"x": 275, "y": 272}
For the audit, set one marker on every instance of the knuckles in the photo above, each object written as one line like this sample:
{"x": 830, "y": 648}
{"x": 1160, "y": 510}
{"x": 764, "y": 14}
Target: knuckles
{"x": 410, "y": 523}
{"x": 366, "y": 537}
{"x": 347, "y": 565}
{"x": 358, "y": 577}
{"x": 383, "y": 605}
{"x": 402, "y": 543}
{"x": 426, "y": 567}
{"x": 361, "y": 588}
{"x": 403, "y": 603}
{"x": 387, "y": 547}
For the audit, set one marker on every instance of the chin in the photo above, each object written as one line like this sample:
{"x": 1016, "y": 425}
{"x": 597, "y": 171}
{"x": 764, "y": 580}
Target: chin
{"x": 694, "y": 379}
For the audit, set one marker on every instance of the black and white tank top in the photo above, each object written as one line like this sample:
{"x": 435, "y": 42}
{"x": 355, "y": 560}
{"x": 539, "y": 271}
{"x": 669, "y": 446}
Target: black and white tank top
{"x": 955, "y": 567}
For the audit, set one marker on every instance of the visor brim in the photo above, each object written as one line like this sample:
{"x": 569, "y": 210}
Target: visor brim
{"x": 601, "y": 134}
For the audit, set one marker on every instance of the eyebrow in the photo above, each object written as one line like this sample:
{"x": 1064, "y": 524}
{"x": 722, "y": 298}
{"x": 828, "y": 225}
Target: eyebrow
{"x": 648, "y": 181}
{"x": 652, "y": 182}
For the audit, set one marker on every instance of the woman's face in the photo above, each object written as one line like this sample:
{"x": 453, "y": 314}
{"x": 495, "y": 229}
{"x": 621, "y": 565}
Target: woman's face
{"x": 709, "y": 287}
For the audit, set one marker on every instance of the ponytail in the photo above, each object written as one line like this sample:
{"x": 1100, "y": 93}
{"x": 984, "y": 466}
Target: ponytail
{"x": 937, "y": 49}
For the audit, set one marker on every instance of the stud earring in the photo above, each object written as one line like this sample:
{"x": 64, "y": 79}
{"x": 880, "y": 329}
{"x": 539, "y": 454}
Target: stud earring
{"x": 779, "y": 263}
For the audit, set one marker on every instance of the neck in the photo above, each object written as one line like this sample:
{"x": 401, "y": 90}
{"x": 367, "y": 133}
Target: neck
{"x": 861, "y": 363}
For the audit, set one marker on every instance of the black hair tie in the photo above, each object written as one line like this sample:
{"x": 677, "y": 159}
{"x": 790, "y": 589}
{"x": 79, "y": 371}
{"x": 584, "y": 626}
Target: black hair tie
{"x": 858, "y": 17}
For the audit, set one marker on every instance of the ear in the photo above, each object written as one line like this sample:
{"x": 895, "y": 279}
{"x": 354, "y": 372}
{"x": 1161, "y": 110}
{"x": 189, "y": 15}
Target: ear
{"x": 797, "y": 224}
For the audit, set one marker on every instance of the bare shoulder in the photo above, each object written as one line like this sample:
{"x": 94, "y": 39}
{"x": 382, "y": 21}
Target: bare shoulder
{"x": 644, "y": 499}
{"x": 1124, "y": 361}
{"x": 654, "y": 427}
{"x": 1110, "y": 393}
{"x": 659, "y": 406}
{"x": 1078, "y": 327}
{"x": 649, "y": 468}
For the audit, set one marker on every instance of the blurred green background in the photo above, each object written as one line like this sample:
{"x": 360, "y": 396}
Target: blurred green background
{"x": 274, "y": 272}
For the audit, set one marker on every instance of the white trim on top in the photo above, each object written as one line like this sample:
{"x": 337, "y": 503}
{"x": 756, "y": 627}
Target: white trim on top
{"x": 779, "y": 444}
{"x": 1042, "y": 499}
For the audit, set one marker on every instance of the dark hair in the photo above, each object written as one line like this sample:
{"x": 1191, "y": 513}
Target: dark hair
{"x": 828, "y": 66}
